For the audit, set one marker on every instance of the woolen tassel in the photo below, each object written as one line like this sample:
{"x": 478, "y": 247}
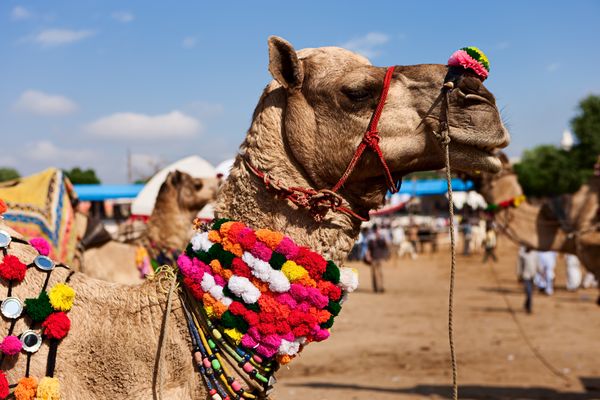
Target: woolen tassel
{"x": 4, "y": 389}
{"x": 26, "y": 389}
{"x": 48, "y": 389}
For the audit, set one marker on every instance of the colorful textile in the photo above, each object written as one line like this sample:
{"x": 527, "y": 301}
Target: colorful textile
{"x": 40, "y": 205}
{"x": 264, "y": 292}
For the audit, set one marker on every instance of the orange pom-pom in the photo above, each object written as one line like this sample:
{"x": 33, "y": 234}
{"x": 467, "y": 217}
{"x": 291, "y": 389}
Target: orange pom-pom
{"x": 26, "y": 389}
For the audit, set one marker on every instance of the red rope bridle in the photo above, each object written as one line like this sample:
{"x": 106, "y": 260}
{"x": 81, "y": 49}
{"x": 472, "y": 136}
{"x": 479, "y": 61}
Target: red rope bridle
{"x": 319, "y": 202}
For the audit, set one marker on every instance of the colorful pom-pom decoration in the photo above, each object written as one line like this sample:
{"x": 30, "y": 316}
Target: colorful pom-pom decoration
{"x": 61, "y": 297}
{"x": 11, "y": 345}
{"x": 12, "y": 269}
{"x": 39, "y": 308}
{"x": 26, "y": 389}
{"x": 4, "y": 388}
{"x": 3, "y": 207}
{"x": 48, "y": 389}
{"x": 56, "y": 326}
{"x": 263, "y": 291}
{"x": 473, "y": 59}
{"x": 41, "y": 245}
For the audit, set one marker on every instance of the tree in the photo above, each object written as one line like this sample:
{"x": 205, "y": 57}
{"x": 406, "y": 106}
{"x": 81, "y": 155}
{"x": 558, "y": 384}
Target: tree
{"x": 8, "y": 174}
{"x": 79, "y": 176}
{"x": 548, "y": 171}
{"x": 586, "y": 127}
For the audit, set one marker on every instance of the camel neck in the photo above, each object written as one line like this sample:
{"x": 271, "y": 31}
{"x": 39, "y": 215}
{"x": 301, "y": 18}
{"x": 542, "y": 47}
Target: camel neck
{"x": 244, "y": 198}
{"x": 169, "y": 226}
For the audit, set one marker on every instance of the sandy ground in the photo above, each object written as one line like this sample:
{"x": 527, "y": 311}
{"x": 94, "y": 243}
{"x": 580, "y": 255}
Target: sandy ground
{"x": 395, "y": 345}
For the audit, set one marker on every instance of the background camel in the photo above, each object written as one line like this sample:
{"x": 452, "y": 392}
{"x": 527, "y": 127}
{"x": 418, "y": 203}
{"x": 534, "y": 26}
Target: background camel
{"x": 568, "y": 224}
{"x": 305, "y": 128}
{"x": 168, "y": 230}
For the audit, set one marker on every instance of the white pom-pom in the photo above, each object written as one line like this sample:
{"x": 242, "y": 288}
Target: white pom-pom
{"x": 242, "y": 287}
{"x": 260, "y": 269}
{"x": 348, "y": 279}
{"x": 200, "y": 242}
{"x": 217, "y": 292}
{"x": 289, "y": 348}
{"x": 278, "y": 282}
{"x": 226, "y": 300}
{"x": 208, "y": 282}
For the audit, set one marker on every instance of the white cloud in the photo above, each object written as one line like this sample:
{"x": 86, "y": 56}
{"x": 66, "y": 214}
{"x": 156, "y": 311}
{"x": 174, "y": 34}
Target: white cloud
{"x": 44, "y": 151}
{"x": 147, "y": 127}
{"x": 123, "y": 16}
{"x": 188, "y": 42}
{"x": 20, "y": 13}
{"x": 58, "y": 37}
{"x": 40, "y": 103}
{"x": 552, "y": 67}
{"x": 367, "y": 45}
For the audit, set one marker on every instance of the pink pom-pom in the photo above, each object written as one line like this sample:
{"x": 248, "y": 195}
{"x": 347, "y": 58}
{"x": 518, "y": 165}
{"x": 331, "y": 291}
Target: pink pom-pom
{"x": 288, "y": 248}
{"x": 185, "y": 264}
{"x": 261, "y": 251}
{"x": 248, "y": 342}
{"x": 321, "y": 334}
{"x": 11, "y": 345}
{"x": 41, "y": 245}
{"x": 461, "y": 58}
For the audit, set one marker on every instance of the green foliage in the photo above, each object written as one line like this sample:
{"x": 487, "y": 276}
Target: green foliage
{"x": 8, "y": 174}
{"x": 586, "y": 127}
{"x": 79, "y": 176}
{"x": 548, "y": 171}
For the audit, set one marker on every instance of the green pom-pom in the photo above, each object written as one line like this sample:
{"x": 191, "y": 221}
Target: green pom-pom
{"x": 225, "y": 257}
{"x": 230, "y": 321}
{"x": 332, "y": 273}
{"x": 478, "y": 55}
{"x": 328, "y": 324}
{"x": 218, "y": 222}
{"x": 334, "y": 308}
{"x": 277, "y": 260}
{"x": 38, "y": 308}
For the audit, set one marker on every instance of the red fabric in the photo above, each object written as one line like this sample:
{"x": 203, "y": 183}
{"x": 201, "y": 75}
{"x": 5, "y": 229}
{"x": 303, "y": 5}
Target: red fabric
{"x": 3, "y": 207}
{"x": 57, "y": 325}
{"x": 4, "y": 389}
{"x": 12, "y": 269}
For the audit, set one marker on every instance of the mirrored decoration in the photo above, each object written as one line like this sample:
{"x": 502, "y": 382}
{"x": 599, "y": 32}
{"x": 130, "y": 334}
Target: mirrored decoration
{"x": 11, "y": 307}
{"x": 5, "y": 238}
{"x": 44, "y": 263}
{"x": 31, "y": 340}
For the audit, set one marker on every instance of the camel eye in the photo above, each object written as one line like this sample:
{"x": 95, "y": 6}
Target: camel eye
{"x": 357, "y": 94}
{"x": 198, "y": 186}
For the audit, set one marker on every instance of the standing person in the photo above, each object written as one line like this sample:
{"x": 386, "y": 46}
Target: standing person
{"x": 547, "y": 261}
{"x": 527, "y": 268}
{"x": 574, "y": 275}
{"x": 379, "y": 251}
{"x": 413, "y": 235}
{"x": 467, "y": 231}
{"x": 489, "y": 244}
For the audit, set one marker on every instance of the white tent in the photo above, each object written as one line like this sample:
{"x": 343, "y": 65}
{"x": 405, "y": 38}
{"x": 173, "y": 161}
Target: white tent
{"x": 472, "y": 198}
{"x": 193, "y": 165}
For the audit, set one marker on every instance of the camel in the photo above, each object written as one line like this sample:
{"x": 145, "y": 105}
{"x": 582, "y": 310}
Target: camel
{"x": 306, "y": 125}
{"x": 168, "y": 230}
{"x": 569, "y": 227}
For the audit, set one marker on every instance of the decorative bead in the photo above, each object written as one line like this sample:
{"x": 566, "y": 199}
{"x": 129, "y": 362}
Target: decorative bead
{"x": 206, "y": 363}
{"x": 216, "y": 334}
{"x": 212, "y": 391}
{"x": 216, "y": 365}
{"x": 257, "y": 358}
{"x": 236, "y": 386}
{"x": 198, "y": 357}
{"x": 248, "y": 367}
{"x": 216, "y": 396}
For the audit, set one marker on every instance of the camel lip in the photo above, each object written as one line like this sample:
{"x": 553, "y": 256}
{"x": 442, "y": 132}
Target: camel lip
{"x": 468, "y": 158}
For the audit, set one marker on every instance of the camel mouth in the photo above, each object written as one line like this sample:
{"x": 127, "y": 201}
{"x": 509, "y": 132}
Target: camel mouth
{"x": 469, "y": 158}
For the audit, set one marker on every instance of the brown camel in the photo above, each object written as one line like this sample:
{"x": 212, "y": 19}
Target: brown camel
{"x": 168, "y": 230}
{"x": 305, "y": 128}
{"x": 569, "y": 224}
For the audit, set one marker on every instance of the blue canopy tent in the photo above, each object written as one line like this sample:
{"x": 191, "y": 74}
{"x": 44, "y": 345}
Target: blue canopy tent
{"x": 106, "y": 192}
{"x": 428, "y": 187}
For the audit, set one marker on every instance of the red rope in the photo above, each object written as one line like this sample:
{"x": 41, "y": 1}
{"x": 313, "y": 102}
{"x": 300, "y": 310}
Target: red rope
{"x": 319, "y": 202}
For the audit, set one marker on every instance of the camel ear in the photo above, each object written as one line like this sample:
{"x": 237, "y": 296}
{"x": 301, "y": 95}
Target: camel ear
{"x": 174, "y": 177}
{"x": 284, "y": 64}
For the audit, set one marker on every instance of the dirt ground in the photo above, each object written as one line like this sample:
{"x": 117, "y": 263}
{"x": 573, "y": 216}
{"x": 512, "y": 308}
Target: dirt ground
{"x": 395, "y": 345}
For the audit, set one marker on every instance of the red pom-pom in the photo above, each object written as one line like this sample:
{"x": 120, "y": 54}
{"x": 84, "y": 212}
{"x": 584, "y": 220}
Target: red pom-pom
{"x": 12, "y": 269}
{"x": 334, "y": 292}
{"x": 194, "y": 287}
{"x": 4, "y": 389}
{"x": 3, "y": 207}
{"x": 312, "y": 262}
{"x": 57, "y": 325}
{"x": 239, "y": 268}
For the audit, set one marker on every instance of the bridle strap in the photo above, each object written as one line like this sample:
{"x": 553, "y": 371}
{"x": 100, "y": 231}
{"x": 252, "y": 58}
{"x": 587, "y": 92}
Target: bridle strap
{"x": 319, "y": 202}
{"x": 371, "y": 140}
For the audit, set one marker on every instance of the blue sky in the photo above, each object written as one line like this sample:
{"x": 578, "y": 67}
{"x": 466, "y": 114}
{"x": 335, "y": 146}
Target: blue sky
{"x": 81, "y": 82}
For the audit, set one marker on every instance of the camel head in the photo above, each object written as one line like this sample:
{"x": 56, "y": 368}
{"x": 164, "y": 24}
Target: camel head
{"x": 191, "y": 193}
{"x": 331, "y": 94}
{"x": 497, "y": 187}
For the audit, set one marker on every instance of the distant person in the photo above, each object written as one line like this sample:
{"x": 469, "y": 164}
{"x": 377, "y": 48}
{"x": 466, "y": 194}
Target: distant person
{"x": 413, "y": 235}
{"x": 489, "y": 244}
{"x": 379, "y": 251}
{"x": 574, "y": 275}
{"x": 547, "y": 260}
{"x": 527, "y": 267}
{"x": 467, "y": 231}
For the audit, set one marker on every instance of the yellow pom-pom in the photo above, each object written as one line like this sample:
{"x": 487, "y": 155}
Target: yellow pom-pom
{"x": 61, "y": 297}
{"x": 48, "y": 389}
{"x": 235, "y": 335}
{"x": 26, "y": 389}
{"x": 293, "y": 271}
